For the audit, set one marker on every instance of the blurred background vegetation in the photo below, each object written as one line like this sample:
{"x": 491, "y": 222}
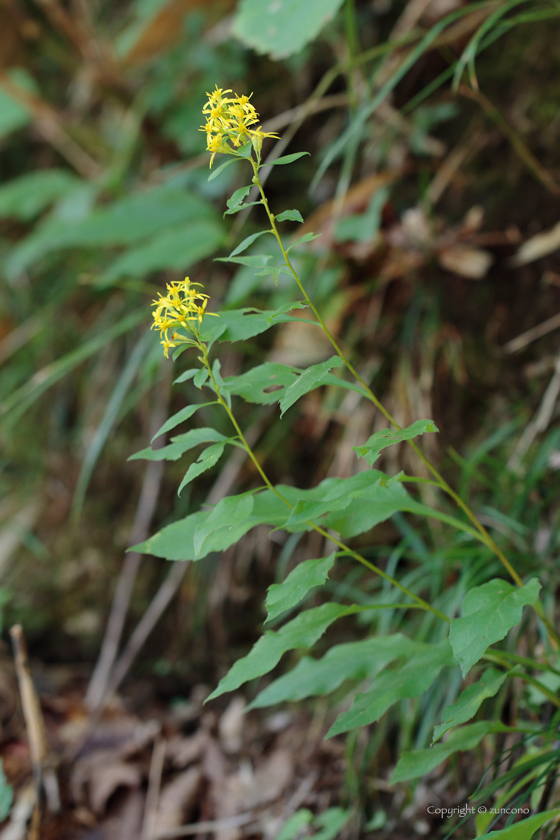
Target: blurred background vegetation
{"x": 424, "y": 189}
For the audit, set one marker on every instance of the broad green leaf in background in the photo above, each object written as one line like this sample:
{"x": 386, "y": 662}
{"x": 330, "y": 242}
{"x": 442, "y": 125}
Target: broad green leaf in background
{"x": 351, "y": 661}
{"x": 178, "y": 248}
{"x": 293, "y": 826}
{"x": 306, "y": 575}
{"x": 488, "y": 613}
{"x": 6, "y": 794}
{"x": 179, "y": 445}
{"x": 14, "y": 115}
{"x": 180, "y": 417}
{"x": 289, "y": 216}
{"x": 523, "y": 830}
{"x": 205, "y": 461}
{"x": 302, "y": 632}
{"x": 281, "y": 28}
{"x": 25, "y": 197}
{"x": 330, "y": 822}
{"x": 309, "y": 379}
{"x": 387, "y": 437}
{"x": 411, "y": 679}
{"x": 417, "y": 763}
{"x": 470, "y": 700}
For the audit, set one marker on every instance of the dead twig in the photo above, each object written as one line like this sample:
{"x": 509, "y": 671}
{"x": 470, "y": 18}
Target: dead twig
{"x": 533, "y": 334}
{"x": 541, "y": 420}
{"x": 35, "y": 725}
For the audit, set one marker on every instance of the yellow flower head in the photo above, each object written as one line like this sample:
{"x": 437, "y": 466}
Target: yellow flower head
{"x": 229, "y": 121}
{"x": 183, "y": 307}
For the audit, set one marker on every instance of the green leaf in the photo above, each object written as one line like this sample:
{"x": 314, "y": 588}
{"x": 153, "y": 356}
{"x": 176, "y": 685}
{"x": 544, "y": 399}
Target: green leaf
{"x": 488, "y": 613}
{"x": 352, "y": 661}
{"x": 306, "y": 575}
{"x": 523, "y": 830}
{"x": 241, "y": 207}
{"x": 246, "y": 242}
{"x": 176, "y": 541}
{"x": 417, "y": 763}
{"x": 258, "y": 261}
{"x": 6, "y": 794}
{"x": 469, "y": 701}
{"x": 289, "y": 216}
{"x": 294, "y": 825}
{"x": 180, "y": 417}
{"x": 173, "y": 249}
{"x": 307, "y": 237}
{"x": 227, "y": 515}
{"x": 206, "y": 460}
{"x": 245, "y": 151}
{"x": 14, "y": 115}
{"x": 221, "y": 168}
{"x": 283, "y": 28}
{"x": 282, "y": 161}
{"x": 179, "y": 445}
{"x": 200, "y": 377}
{"x": 302, "y": 632}
{"x": 331, "y": 822}
{"x": 309, "y": 379}
{"x": 387, "y": 437}
{"x": 411, "y": 679}
{"x": 262, "y": 384}
{"x": 238, "y": 197}
{"x": 25, "y": 197}
{"x": 186, "y": 376}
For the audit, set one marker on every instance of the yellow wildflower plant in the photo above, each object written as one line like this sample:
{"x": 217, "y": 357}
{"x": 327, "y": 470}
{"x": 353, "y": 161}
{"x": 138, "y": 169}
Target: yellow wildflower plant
{"x": 229, "y": 121}
{"x": 182, "y": 308}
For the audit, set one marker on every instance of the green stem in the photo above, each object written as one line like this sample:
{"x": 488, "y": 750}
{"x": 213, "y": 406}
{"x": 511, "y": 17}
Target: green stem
{"x": 496, "y": 657}
{"x": 419, "y": 601}
{"x": 442, "y": 483}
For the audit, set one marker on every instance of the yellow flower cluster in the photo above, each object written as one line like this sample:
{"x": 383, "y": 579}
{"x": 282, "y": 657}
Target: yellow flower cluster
{"x": 229, "y": 120}
{"x": 183, "y": 307}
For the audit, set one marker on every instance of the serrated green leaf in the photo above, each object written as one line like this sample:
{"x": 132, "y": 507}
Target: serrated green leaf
{"x": 409, "y": 680}
{"x": 352, "y": 661}
{"x": 254, "y": 385}
{"x": 470, "y": 701}
{"x": 281, "y": 161}
{"x": 289, "y": 216}
{"x": 302, "y": 632}
{"x": 206, "y": 460}
{"x": 306, "y": 575}
{"x": 229, "y": 514}
{"x": 523, "y": 830}
{"x": 488, "y": 613}
{"x": 221, "y": 168}
{"x": 176, "y": 541}
{"x": 417, "y": 763}
{"x": 180, "y": 417}
{"x": 387, "y": 437}
{"x": 179, "y": 445}
{"x": 309, "y": 379}
{"x": 238, "y": 197}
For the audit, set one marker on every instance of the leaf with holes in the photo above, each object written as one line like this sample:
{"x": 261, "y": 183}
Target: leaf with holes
{"x": 289, "y": 216}
{"x": 262, "y": 384}
{"x": 228, "y": 515}
{"x": 387, "y": 437}
{"x": 306, "y": 575}
{"x": 488, "y": 614}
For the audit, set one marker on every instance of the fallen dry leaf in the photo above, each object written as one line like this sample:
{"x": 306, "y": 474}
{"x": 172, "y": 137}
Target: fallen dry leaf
{"x": 538, "y": 246}
{"x": 96, "y": 777}
{"x": 177, "y": 799}
{"x": 466, "y": 261}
